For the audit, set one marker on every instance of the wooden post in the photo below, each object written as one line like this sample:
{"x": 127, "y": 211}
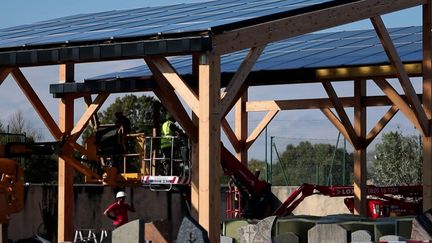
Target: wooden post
{"x": 65, "y": 172}
{"x": 195, "y": 147}
{"x": 427, "y": 104}
{"x": 241, "y": 128}
{"x": 209, "y": 145}
{"x": 360, "y": 202}
{"x": 195, "y": 174}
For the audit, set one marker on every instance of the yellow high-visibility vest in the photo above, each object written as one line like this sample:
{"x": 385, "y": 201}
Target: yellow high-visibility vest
{"x": 166, "y": 133}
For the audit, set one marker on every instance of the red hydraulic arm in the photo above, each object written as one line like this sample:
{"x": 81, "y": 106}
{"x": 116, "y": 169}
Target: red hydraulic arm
{"x": 305, "y": 190}
{"x": 234, "y": 168}
{"x": 259, "y": 202}
{"x": 294, "y": 199}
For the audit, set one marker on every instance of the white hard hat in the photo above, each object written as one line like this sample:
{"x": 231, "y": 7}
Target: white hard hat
{"x": 120, "y": 194}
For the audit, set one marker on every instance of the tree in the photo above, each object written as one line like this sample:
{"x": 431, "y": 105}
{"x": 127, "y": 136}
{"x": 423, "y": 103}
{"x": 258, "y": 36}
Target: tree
{"x": 312, "y": 163}
{"x": 37, "y": 168}
{"x": 139, "y": 110}
{"x": 398, "y": 160}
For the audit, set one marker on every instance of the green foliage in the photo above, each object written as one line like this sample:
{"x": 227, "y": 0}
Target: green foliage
{"x": 139, "y": 110}
{"x": 398, "y": 160}
{"x": 312, "y": 163}
{"x": 257, "y": 165}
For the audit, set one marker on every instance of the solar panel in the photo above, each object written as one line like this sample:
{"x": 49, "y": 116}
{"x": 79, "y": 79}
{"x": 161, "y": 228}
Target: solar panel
{"x": 148, "y": 22}
{"x": 317, "y": 50}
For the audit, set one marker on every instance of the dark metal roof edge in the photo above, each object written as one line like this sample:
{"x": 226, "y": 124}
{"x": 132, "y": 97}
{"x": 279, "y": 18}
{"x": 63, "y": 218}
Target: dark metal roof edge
{"x": 105, "y": 52}
{"x": 112, "y": 40}
{"x": 271, "y": 17}
{"x": 255, "y": 78}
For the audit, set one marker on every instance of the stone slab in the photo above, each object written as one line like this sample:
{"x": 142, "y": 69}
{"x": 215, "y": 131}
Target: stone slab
{"x": 191, "y": 231}
{"x": 226, "y": 239}
{"x": 392, "y": 238}
{"x": 361, "y": 236}
{"x": 132, "y": 232}
{"x": 258, "y": 233}
{"x": 327, "y": 233}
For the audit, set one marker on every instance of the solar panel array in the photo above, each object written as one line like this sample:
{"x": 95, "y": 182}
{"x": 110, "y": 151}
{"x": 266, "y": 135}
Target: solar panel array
{"x": 146, "y": 22}
{"x": 317, "y": 50}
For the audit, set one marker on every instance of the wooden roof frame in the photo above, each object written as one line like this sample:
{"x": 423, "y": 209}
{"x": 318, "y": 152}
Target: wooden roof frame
{"x": 210, "y": 105}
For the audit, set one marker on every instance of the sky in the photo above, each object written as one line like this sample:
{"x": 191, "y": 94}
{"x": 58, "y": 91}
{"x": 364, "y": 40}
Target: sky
{"x": 288, "y": 126}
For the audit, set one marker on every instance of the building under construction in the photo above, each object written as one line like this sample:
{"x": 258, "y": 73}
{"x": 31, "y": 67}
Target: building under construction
{"x": 205, "y": 56}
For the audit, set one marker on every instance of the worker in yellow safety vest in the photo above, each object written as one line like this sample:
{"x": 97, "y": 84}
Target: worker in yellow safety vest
{"x": 168, "y": 132}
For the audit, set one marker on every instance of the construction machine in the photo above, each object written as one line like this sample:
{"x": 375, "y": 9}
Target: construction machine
{"x": 12, "y": 175}
{"x": 136, "y": 160}
{"x": 382, "y": 201}
{"x": 251, "y": 197}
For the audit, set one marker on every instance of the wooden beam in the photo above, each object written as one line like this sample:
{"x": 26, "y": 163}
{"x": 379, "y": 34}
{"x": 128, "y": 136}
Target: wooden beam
{"x": 209, "y": 145}
{"x": 344, "y": 119}
{"x": 65, "y": 171}
{"x": 304, "y": 104}
{"x": 195, "y": 146}
{"x": 174, "y": 106}
{"x": 237, "y": 84}
{"x": 400, "y": 73}
{"x": 427, "y": 104}
{"x": 337, "y": 123}
{"x": 365, "y": 72}
{"x": 88, "y": 101}
{"x": 37, "y": 103}
{"x": 360, "y": 170}
{"x": 271, "y": 31}
{"x": 241, "y": 128}
{"x": 391, "y": 112}
{"x": 4, "y": 72}
{"x": 166, "y": 76}
{"x": 393, "y": 95}
{"x": 230, "y": 135}
{"x": 260, "y": 128}
{"x": 78, "y": 148}
{"x": 77, "y": 165}
{"x": 88, "y": 114}
{"x": 195, "y": 176}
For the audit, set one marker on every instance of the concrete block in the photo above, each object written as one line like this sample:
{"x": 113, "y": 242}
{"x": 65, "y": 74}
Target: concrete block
{"x": 286, "y": 238}
{"x": 132, "y": 232}
{"x": 361, "y": 236}
{"x": 384, "y": 228}
{"x": 404, "y": 227}
{"x": 226, "y": 239}
{"x": 327, "y": 233}
{"x": 230, "y": 228}
{"x": 298, "y": 226}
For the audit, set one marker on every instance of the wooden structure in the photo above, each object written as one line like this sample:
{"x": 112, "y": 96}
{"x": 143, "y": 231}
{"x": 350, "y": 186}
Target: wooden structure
{"x": 202, "y": 93}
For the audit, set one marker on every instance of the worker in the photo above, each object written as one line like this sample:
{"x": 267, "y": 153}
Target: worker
{"x": 123, "y": 122}
{"x": 168, "y": 132}
{"x": 124, "y": 128}
{"x": 118, "y": 211}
